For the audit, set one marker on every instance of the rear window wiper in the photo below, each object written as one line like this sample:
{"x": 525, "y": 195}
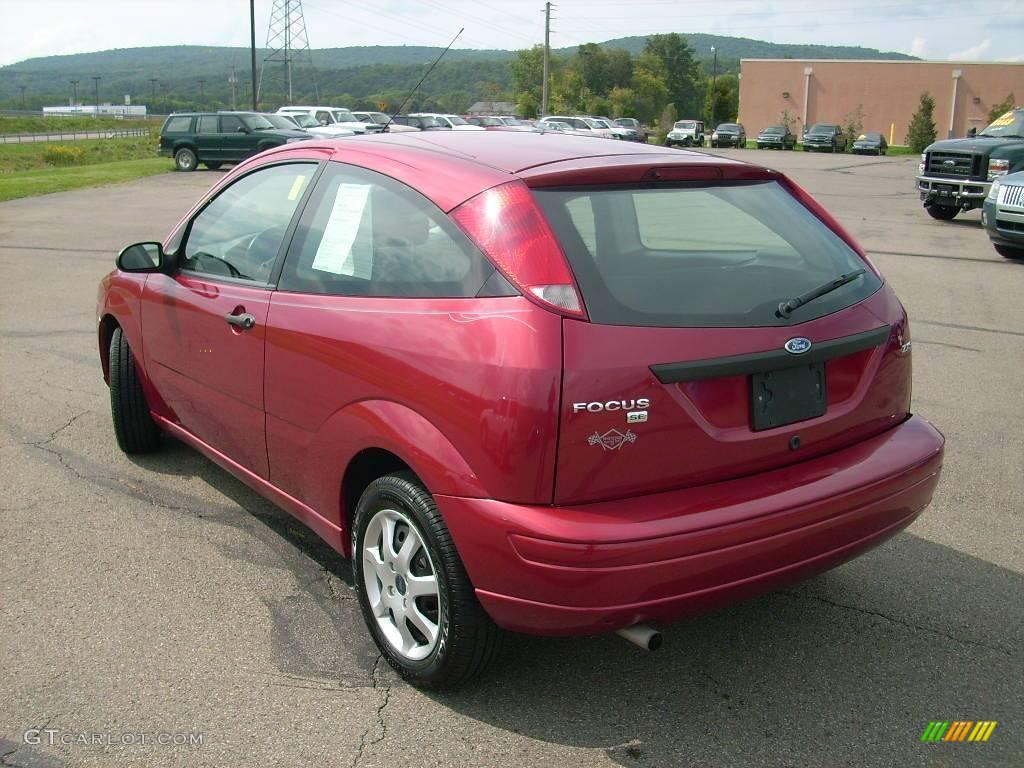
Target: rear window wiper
{"x": 786, "y": 308}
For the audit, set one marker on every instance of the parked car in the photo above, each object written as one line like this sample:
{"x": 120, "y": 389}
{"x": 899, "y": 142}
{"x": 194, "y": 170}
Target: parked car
{"x": 825, "y": 137}
{"x": 308, "y": 125}
{"x": 870, "y": 143}
{"x": 556, "y": 126}
{"x": 421, "y": 122}
{"x": 686, "y": 133}
{"x": 487, "y": 122}
{"x": 1002, "y": 215}
{"x": 619, "y": 132}
{"x": 218, "y": 138}
{"x": 499, "y": 375}
{"x": 454, "y": 122}
{"x": 729, "y": 135}
{"x": 578, "y": 125}
{"x": 642, "y": 134}
{"x": 516, "y": 123}
{"x": 381, "y": 119}
{"x": 776, "y": 137}
{"x": 333, "y": 116}
{"x": 955, "y": 174}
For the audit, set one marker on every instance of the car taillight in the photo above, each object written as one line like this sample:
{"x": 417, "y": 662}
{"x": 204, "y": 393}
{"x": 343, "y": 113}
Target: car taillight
{"x": 506, "y": 224}
{"x": 998, "y": 168}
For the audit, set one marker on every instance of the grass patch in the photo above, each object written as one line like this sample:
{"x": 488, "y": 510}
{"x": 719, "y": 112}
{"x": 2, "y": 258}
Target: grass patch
{"x": 55, "y": 124}
{"x": 46, "y": 154}
{"x": 44, "y": 181}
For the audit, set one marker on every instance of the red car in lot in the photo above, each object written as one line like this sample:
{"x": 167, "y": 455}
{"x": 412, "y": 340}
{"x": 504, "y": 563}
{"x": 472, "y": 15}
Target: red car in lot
{"x": 526, "y": 381}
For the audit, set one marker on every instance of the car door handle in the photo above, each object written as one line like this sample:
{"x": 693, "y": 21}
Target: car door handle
{"x": 244, "y": 321}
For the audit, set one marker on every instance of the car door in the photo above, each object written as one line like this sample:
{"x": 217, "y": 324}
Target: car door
{"x": 236, "y": 140}
{"x": 204, "y": 324}
{"x": 208, "y": 141}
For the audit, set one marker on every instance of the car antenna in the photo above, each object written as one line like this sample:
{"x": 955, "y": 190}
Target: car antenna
{"x": 406, "y": 100}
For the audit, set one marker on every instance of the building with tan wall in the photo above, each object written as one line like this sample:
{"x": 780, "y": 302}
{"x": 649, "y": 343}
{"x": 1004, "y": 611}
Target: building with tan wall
{"x": 888, "y": 93}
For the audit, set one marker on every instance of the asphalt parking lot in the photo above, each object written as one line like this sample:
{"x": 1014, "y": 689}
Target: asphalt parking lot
{"x": 158, "y": 595}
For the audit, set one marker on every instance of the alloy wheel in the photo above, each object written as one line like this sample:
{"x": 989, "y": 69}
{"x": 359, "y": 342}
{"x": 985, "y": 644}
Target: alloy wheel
{"x": 401, "y": 584}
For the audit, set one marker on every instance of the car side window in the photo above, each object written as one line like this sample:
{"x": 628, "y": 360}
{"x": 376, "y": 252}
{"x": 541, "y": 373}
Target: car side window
{"x": 230, "y": 123}
{"x": 365, "y": 234}
{"x": 240, "y": 232}
{"x": 178, "y": 125}
{"x": 207, "y": 124}
{"x": 323, "y": 116}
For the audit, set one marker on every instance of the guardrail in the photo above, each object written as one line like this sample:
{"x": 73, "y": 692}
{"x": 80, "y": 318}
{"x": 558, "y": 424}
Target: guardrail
{"x": 30, "y": 138}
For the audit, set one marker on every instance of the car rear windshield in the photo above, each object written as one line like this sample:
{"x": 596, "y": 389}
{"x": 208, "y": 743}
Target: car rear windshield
{"x": 720, "y": 255}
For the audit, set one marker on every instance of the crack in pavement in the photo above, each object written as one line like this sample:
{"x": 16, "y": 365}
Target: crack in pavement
{"x": 380, "y": 721}
{"x": 907, "y": 624}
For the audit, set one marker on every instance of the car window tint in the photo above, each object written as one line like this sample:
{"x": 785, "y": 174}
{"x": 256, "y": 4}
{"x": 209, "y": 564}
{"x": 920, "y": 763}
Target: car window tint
{"x": 364, "y": 234}
{"x": 240, "y": 232}
{"x": 230, "y": 123}
{"x": 178, "y": 125}
{"x": 581, "y": 211}
{"x": 207, "y": 124}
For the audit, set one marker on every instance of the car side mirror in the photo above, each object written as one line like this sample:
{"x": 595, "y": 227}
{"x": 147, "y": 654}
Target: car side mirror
{"x": 241, "y": 129}
{"x": 142, "y": 257}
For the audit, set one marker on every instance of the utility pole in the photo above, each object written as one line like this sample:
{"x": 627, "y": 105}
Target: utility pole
{"x": 22, "y": 87}
{"x": 74, "y": 93}
{"x": 233, "y": 81}
{"x": 545, "y": 88}
{"x": 252, "y": 51}
{"x": 287, "y": 43}
{"x": 714, "y": 77}
{"x": 201, "y": 98}
{"x": 96, "y": 85}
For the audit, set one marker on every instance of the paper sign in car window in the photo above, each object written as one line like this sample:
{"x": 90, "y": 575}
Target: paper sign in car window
{"x": 337, "y": 253}
{"x": 1004, "y": 120}
{"x": 293, "y": 193}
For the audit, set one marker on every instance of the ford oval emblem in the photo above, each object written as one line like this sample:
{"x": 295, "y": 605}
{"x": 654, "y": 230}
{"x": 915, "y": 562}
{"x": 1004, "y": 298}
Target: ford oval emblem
{"x": 797, "y": 346}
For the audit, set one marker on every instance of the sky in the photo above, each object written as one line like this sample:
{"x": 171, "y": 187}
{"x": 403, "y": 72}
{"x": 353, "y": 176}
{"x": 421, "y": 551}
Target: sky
{"x": 965, "y": 30}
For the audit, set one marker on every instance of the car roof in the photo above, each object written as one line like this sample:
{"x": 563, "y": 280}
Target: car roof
{"x": 449, "y": 167}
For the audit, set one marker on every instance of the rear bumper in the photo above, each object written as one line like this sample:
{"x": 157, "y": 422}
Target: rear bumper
{"x": 599, "y": 567}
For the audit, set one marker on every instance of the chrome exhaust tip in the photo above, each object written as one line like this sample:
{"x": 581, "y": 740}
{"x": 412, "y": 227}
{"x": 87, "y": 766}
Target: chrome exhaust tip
{"x": 641, "y": 635}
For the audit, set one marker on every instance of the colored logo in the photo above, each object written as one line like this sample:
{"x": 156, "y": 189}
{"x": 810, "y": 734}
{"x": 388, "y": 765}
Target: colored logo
{"x": 958, "y": 730}
{"x": 797, "y": 346}
{"x": 612, "y": 440}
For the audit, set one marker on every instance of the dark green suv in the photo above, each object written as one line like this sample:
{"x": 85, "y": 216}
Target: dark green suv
{"x": 216, "y": 138}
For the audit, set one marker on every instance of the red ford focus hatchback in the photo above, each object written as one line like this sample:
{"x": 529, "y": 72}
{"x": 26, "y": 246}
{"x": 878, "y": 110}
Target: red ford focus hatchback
{"x": 528, "y": 382}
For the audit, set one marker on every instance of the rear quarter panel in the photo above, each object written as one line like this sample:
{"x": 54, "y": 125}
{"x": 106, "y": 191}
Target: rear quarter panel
{"x": 465, "y": 391}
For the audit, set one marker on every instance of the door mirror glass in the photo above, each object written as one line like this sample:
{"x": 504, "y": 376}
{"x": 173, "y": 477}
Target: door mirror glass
{"x": 141, "y": 257}
{"x": 242, "y": 129}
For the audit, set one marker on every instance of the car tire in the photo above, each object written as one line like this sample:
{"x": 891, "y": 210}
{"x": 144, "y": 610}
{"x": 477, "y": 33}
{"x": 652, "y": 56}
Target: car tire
{"x": 466, "y": 641}
{"x": 134, "y": 428}
{"x": 942, "y": 212}
{"x": 1009, "y": 251}
{"x": 185, "y": 159}
{"x": 213, "y": 166}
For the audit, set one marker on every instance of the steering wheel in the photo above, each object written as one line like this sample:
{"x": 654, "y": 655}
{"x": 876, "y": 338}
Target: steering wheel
{"x": 261, "y": 252}
{"x": 202, "y": 256}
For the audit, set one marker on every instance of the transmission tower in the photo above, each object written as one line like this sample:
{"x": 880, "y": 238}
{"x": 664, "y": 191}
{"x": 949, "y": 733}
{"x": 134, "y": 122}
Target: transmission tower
{"x": 288, "y": 46}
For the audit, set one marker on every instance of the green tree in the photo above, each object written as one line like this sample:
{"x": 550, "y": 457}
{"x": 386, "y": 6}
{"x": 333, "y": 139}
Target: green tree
{"x": 682, "y": 72}
{"x": 528, "y": 71}
{"x": 668, "y": 118}
{"x": 998, "y": 110}
{"x": 619, "y": 65}
{"x": 649, "y": 88}
{"x": 921, "y": 132}
{"x": 722, "y": 103}
{"x": 853, "y": 124}
{"x": 527, "y": 106}
{"x": 623, "y": 102}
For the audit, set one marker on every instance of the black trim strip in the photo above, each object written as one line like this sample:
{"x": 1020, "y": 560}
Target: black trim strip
{"x": 773, "y": 360}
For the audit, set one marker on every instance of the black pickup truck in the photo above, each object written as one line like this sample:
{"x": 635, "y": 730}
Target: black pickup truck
{"x": 955, "y": 175}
